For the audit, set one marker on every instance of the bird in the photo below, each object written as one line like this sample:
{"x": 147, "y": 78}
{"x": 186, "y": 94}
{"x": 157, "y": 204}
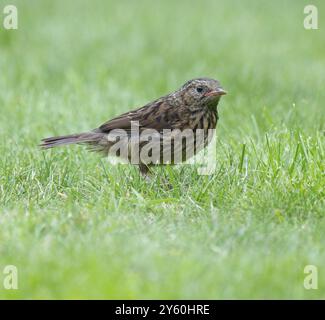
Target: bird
{"x": 192, "y": 108}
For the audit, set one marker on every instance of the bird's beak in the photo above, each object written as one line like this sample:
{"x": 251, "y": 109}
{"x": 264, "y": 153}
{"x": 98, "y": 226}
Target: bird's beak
{"x": 216, "y": 93}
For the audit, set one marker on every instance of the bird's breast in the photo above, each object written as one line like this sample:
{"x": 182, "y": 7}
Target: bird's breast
{"x": 204, "y": 120}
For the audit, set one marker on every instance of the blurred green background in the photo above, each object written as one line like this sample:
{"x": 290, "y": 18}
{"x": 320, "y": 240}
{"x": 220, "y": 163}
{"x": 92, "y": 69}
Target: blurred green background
{"x": 77, "y": 227}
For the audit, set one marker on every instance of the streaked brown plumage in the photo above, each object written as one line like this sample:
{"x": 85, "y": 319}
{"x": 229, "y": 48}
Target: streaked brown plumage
{"x": 193, "y": 106}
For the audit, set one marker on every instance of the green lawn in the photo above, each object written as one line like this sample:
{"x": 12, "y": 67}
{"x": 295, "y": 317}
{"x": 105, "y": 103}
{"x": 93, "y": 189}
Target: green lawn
{"x": 78, "y": 227}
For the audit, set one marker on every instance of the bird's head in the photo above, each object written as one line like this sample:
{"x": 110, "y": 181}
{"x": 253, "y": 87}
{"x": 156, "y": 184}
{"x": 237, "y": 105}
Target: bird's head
{"x": 202, "y": 92}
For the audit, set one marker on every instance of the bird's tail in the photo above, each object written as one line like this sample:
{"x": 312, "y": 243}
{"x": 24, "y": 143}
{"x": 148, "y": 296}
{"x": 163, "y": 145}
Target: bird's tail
{"x": 91, "y": 138}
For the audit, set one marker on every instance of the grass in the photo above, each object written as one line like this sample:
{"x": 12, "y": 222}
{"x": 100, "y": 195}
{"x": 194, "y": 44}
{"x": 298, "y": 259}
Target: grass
{"x": 77, "y": 227}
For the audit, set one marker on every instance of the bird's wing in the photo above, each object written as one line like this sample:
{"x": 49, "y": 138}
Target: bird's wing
{"x": 155, "y": 115}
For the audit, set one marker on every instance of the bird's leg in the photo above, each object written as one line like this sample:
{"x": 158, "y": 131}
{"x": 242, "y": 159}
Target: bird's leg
{"x": 146, "y": 174}
{"x": 145, "y": 171}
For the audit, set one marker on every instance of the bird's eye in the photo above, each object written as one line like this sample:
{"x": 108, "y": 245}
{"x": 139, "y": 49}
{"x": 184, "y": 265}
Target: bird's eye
{"x": 199, "y": 89}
